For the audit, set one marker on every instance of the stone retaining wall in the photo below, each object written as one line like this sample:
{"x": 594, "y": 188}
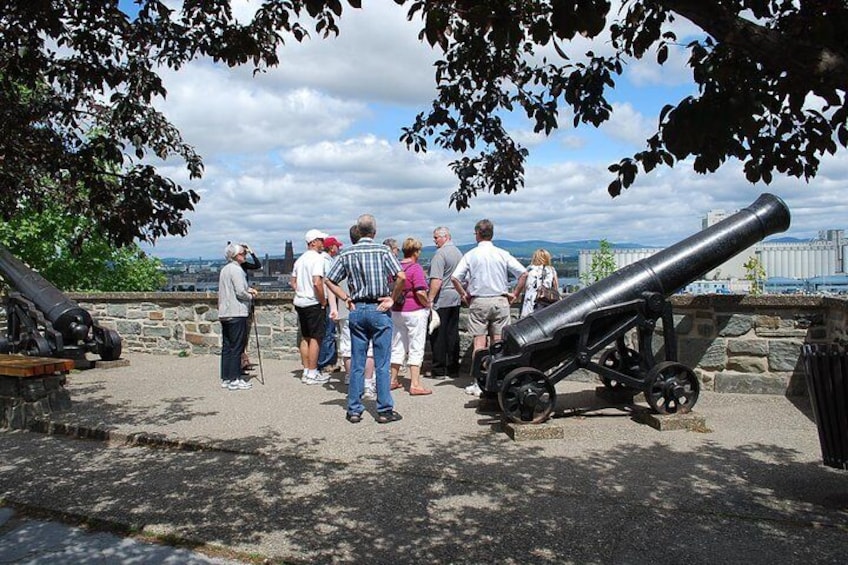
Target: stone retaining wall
{"x": 735, "y": 343}
{"x": 750, "y": 344}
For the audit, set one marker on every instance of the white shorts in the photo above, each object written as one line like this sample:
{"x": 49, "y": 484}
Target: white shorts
{"x": 344, "y": 340}
{"x": 409, "y": 336}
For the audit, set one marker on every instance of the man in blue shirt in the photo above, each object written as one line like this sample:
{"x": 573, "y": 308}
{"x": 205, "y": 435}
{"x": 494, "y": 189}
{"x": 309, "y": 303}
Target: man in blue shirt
{"x": 369, "y": 267}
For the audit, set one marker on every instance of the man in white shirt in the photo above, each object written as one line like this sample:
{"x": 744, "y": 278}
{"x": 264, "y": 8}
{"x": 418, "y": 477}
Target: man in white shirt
{"x": 482, "y": 280}
{"x": 310, "y": 303}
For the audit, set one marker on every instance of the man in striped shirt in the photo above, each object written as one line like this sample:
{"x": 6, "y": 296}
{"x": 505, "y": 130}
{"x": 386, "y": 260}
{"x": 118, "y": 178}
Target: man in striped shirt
{"x": 375, "y": 279}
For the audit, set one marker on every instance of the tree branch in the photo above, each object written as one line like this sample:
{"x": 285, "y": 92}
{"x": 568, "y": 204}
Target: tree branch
{"x": 821, "y": 66}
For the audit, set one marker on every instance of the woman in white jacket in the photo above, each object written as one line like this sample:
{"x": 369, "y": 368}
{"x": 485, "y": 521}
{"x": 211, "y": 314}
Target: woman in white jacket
{"x": 540, "y": 273}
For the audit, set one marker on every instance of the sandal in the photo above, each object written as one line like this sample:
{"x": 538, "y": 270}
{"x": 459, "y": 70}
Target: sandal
{"x": 413, "y": 391}
{"x": 354, "y": 418}
{"x": 388, "y": 416}
{"x": 396, "y": 385}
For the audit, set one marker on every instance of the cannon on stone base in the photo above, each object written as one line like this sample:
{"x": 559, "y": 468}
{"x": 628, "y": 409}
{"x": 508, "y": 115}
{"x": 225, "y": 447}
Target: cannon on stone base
{"x": 43, "y": 322}
{"x": 538, "y": 351}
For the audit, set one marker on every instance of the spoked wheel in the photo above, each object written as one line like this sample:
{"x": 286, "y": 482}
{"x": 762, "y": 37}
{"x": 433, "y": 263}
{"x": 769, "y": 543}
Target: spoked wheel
{"x": 672, "y": 388}
{"x": 627, "y": 364}
{"x": 527, "y": 396}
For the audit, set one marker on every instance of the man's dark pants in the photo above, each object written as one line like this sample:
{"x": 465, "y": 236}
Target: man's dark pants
{"x": 445, "y": 342}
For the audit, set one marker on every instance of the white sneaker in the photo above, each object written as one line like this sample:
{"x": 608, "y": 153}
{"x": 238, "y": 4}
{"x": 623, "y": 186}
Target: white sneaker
{"x": 319, "y": 379}
{"x": 243, "y": 384}
{"x": 233, "y": 385}
{"x": 369, "y": 394}
{"x": 304, "y": 377}
{"x": 473, "y": 390}
{"x": 225, "y": 384}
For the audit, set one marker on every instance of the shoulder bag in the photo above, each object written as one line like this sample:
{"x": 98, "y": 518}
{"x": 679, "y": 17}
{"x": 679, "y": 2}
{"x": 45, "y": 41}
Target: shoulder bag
{"x": 547, "y": 294}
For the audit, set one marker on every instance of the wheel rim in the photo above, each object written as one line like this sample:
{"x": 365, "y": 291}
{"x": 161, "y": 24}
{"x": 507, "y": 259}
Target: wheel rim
{"x": 672, "y": 388}
{"x": 612, "y": 359}
{"x": 527, "y": 396}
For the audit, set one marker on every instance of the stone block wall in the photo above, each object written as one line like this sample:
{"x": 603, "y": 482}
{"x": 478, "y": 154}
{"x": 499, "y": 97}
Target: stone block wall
{"x": 738, "y": 343}
{"x": 186, "y": 323}
{"x": 734, "y": 343}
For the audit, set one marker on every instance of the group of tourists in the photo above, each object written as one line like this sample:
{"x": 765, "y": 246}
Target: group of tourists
{"x": 375, "y": 309}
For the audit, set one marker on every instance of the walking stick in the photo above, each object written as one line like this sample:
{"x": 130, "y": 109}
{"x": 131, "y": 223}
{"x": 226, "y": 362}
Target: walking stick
{"x": 258, "y": 351}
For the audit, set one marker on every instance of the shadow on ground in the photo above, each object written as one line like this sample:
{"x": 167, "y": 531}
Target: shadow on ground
{"x": 465, "y": 501}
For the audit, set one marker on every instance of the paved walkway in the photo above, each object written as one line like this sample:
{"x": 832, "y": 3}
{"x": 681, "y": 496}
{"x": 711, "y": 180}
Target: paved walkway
{"x": 277, "y": 473}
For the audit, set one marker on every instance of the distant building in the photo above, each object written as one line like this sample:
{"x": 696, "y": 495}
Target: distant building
{"x": 282, "y": 266}
{"x": 791, "y": 263}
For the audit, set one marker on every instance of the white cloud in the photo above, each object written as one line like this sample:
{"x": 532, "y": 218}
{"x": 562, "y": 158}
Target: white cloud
{"x": 219, "y": 114}
{"x": 314, "y": 144}
{"x": 628, "y": 124}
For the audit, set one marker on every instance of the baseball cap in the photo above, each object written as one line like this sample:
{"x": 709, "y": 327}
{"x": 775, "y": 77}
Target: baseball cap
{"x": 312, "y": 235}
{"x": 329, "y": 241}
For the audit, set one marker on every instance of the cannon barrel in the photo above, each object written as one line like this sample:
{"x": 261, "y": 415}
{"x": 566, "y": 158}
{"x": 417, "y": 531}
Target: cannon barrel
{"x": 664, "y": 273}
{"x": 67, "y": 316}
{"x": 75, "y": 327}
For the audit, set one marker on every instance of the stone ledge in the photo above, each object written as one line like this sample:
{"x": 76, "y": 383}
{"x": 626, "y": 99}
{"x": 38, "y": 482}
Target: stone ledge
{"x": 746, "y": 383}
{"x": 103, "y": 364}
{"x": 690, "y": 421}
{"x": 529, "y": 432}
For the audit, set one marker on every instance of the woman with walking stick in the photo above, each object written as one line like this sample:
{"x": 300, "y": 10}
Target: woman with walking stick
{"x": 234, "y": 301}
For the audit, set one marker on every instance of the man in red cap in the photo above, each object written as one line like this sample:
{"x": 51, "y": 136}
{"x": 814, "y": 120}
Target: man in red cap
{"x": 327, "y": 355}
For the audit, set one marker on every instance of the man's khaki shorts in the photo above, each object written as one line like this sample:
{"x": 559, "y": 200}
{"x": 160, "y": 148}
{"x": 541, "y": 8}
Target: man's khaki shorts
{"x": 488, "y": 315}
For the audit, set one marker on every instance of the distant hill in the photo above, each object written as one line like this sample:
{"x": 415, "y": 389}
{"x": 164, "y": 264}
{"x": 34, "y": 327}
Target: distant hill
{"x": 562, "y": 251}
{"x": 786, "y": 240}
{"x": 524, "y": 249}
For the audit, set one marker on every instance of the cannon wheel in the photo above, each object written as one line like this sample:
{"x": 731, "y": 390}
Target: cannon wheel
{"x": 527, "y": 396}
{"x": 612, "y": 359}
{"x": 38, "y": 346}
{"x": 480, "y": 366}
{"x": 109, "y": 345}
{"x": 671, "y": 388}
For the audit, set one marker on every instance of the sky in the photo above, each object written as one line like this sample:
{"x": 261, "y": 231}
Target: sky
{"x": 313, "y": 143}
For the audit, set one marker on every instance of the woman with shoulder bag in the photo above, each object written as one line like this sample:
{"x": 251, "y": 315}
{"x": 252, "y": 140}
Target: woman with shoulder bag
{"x": 541, "y": 276}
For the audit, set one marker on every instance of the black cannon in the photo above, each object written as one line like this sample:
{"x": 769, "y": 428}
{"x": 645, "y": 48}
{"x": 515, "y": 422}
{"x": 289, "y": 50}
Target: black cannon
{"x": 43, "y": 322}
{"x": 538, "y": 351}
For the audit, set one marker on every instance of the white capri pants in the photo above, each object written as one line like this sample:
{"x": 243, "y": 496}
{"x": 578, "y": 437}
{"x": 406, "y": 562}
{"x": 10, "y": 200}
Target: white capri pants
{"x": 409, "y": 336}
{"x": 344, "y": 340}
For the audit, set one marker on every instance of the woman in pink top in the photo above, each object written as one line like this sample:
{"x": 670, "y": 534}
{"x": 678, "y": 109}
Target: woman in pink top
{"x": 410, "y": 320}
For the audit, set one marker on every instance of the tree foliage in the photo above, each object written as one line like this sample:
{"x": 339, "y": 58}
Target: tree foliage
{"x": 77, "y": 85}
{"x": 48, "y": 242}
{"x": 602, "y": 265}
{"x": 78, "y": 81}
{"x": 756, "y": 273}
{"x": 755, "y": 67}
